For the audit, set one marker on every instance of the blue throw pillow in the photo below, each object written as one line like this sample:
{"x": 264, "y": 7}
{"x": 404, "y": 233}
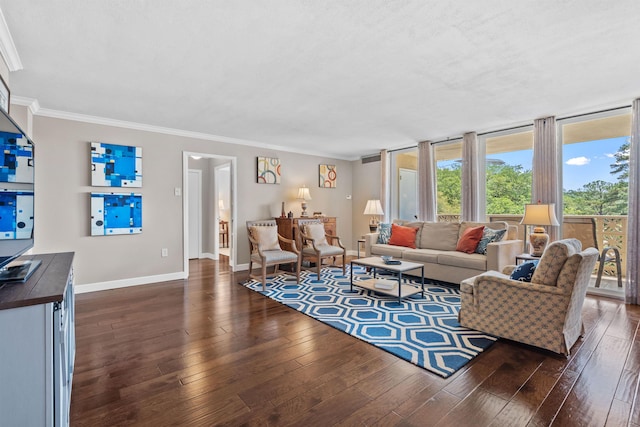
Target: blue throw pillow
{"x": 385, "y": 233}
{"x": 524, "y": 272}
{"x": 489, "y": 235}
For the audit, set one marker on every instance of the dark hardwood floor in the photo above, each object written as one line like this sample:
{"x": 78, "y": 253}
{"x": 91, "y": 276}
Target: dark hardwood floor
{"x": 207, "y": 351}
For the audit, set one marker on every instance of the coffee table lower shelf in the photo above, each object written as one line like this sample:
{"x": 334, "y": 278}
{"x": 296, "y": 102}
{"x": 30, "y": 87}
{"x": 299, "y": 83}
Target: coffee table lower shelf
{"x": 405, "y": 290}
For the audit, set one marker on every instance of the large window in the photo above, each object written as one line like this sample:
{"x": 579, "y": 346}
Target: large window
{"x": 449, "y": 179}
{"x": 508, "y": 174}
{"x": 595, "y": 155}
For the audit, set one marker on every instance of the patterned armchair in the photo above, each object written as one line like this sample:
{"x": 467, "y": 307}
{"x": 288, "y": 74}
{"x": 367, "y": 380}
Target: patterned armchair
{"x": 264, "y": 243}
{"x": 544, "y": 313}
{"x": 317, "y": 245}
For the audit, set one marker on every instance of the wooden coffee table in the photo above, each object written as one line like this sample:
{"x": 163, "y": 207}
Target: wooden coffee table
{"x": 399, "y": 289}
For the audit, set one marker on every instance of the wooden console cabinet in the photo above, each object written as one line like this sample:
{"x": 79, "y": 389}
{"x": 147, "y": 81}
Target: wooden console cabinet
{"x": 288, "y": 228}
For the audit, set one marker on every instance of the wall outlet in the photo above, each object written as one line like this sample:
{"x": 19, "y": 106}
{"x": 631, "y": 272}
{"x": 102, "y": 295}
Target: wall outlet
{"x": 165, "y": 252}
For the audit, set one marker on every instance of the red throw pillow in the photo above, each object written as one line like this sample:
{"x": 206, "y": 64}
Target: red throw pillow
{"x": 470, "y": 239}
{"x": 404, "y": 236}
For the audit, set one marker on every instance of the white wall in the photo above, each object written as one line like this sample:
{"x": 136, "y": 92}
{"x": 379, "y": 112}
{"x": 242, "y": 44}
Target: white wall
{"x": 62, "y": 216}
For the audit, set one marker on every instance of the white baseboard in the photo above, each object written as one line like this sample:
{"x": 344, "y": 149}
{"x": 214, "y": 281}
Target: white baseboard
{"x": 351, "y": 252}
{"x": 123, "y": 283}
{"x": 209, "y": 256}
{"x": 241, "y": 267}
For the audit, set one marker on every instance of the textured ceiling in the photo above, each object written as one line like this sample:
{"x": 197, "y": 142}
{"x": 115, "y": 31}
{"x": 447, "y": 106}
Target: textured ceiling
{"x": 339, "y": 78}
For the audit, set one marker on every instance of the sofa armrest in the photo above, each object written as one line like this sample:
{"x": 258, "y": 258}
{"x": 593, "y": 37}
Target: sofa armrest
{"x": 503, "y": 253}
{"x": 369, "y": 239}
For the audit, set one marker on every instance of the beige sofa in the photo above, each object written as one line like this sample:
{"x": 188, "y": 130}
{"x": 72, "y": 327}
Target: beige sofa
{"x": 436, "y": 249}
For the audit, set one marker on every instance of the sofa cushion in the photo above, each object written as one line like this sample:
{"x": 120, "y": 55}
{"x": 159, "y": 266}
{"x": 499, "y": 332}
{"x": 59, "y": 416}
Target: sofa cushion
{"x": 489, "y": 235}
{"x": 524, "y": 272}
{"x": 403, "y": 236}
{"x": 414, "y": 224}
{"x": 421, "y": 255}
{"x": 469, "y": 240}
{"x": 460, "y": 259}
{"x": 496, "y": 225}
{"x": 383, "y": 249}
{"x": 385, "y": 232}
{"x": 439, "y": 235}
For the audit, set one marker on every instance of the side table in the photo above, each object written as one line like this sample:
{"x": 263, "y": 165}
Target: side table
{"x": 525, "y": 257}
{"x": 360, "y": 242}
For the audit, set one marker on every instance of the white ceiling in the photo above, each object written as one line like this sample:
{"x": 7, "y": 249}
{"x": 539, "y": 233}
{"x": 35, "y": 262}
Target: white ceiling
{"x": 332, "y": 77}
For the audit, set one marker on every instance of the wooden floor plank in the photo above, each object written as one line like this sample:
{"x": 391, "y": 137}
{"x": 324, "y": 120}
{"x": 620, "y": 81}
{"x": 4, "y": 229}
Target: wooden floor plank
{"x": 207, "y": 351}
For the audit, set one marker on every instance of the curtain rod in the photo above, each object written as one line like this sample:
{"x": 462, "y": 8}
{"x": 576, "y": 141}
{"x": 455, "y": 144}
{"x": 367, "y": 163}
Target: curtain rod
{"x": 515, "y": 127}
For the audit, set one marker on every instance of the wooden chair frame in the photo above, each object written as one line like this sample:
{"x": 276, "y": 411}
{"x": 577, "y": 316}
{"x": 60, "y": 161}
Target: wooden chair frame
{"x": 317, "y": 256}
{"x": 254, "y": 248}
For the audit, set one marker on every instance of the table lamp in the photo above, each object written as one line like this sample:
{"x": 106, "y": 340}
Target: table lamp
{"x": 539, "y": 215}
{"x": 304, "y": 195}
{"x": 373, "y": 208}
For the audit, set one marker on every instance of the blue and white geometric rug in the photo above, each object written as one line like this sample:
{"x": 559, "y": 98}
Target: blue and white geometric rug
{"x": 424, "y": 331}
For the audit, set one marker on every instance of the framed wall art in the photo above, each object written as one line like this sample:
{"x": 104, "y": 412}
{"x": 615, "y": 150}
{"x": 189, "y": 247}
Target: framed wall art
{"x": 115, "y": 165}
{"x": 116, "y": 213}
{"x": 328, "y": 176}
{"x": 268, "y": 170}
{"x": 16, "y": 158}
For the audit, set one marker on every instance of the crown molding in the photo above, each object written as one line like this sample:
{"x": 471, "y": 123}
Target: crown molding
{"x": 36, "y": 110}
{"x": 32, "y": 104}
{"x": 7, "y": 47}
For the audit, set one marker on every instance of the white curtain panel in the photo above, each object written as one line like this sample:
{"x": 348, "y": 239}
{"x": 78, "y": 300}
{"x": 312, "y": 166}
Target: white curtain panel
{"x": 427, "y": 189}
{"x": 633, "y": 219}
{"x": 546, "y": 169}
{"x": 384, "y": 184}
{"x": 470, "y": 178}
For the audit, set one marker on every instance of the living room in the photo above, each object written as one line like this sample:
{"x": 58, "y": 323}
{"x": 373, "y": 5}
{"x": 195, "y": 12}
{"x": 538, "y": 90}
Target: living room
{"x": 303, "y": 136}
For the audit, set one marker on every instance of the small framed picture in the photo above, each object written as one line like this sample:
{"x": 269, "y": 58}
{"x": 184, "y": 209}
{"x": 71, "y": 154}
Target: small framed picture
{"x": 328, "y": 176}
{"x": 268, "y": 170}
{"x": 4, "y": 95}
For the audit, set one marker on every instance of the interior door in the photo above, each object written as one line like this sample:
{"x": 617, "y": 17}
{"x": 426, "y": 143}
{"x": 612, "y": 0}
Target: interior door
{"x": 408, "y": 194}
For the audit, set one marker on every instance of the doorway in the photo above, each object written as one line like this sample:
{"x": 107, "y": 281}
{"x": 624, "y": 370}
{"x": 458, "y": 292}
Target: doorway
{"x": 206, "y": 201}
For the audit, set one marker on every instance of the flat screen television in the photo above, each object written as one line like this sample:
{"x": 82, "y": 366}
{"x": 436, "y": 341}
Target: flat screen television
{"x": 17, "y": 199}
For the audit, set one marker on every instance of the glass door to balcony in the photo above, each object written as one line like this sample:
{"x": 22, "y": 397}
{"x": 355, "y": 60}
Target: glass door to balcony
{"x": 595, "y": 154}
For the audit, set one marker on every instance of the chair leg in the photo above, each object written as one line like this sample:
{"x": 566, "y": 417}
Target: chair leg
{"x": 344, "y": 263}
{"x": 264, "y": 276}
{"x": 603, "y": 257}
{"x": 319, "y": 264}
{"x": 618, "y": 266}
{"x": 299, "y": 266}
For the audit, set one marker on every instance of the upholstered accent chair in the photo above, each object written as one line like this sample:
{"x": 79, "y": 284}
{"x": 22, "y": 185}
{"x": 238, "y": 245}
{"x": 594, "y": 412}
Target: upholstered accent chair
{"x": 545, "y": 312}
{"x": 264, "y": 243}
{"x": 317, "y": 245}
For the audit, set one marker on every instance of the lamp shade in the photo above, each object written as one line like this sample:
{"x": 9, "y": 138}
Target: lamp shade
{"x": 373, "y": 208}
{"x": 303, "y": 193}
{"x": 540, "y": 214}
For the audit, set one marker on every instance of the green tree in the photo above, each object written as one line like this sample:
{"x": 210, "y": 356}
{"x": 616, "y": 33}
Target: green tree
{"x": 621, "y": 165}
{"x": 508, "y": 189}
{"x": 449, "y": 184}
{"x": 597, "y": 198}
